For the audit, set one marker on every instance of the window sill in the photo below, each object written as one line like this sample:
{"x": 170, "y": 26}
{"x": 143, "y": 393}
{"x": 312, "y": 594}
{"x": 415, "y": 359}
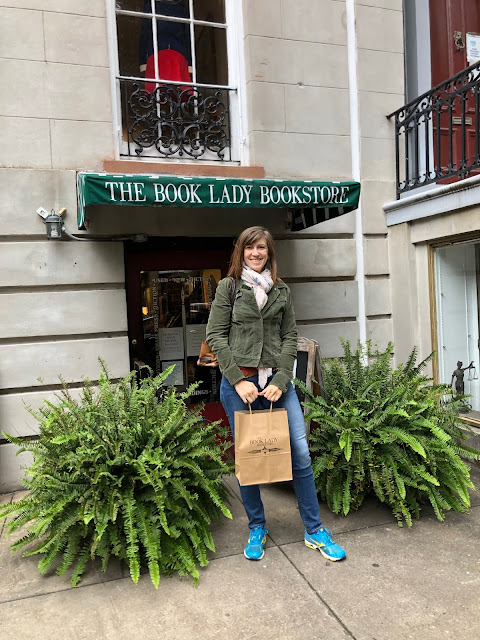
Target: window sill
{"x": 183, "y": 169}
{"x": 443, "y": 199}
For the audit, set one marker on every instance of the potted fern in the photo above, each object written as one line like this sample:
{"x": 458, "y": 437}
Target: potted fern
{"x": 389, "y": 432}
{"x": 128, "y": 471}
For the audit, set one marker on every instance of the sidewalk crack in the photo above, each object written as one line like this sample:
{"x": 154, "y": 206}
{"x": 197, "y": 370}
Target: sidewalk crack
{"x": 315, "y": 591}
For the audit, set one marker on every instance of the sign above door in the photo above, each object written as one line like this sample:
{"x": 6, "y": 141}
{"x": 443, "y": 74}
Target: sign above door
{"x": 311, "y": 202}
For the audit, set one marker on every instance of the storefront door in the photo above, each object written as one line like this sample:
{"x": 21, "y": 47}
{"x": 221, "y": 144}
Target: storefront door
{"x": 450, "y": 21}
{"x": 169, "y": 296}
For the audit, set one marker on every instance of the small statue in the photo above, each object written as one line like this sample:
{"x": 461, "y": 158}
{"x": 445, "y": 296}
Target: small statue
{"x": 459, "y": 374}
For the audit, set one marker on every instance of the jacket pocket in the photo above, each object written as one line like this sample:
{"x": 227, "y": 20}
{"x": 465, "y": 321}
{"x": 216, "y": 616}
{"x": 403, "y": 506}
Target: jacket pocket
{"x": 277, "y": 309}
{"x": 243, "y": 313}
{"x": 233, "y": 339}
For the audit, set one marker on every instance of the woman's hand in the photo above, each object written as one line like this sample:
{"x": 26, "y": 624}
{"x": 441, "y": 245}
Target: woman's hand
{"x": 247, "y": 391}
{"x": 271, "y": 393}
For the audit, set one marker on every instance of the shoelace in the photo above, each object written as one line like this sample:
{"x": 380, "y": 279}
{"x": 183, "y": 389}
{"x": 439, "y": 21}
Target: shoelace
{"x": 256, "y": 535}
{"x": 328, "y": 532}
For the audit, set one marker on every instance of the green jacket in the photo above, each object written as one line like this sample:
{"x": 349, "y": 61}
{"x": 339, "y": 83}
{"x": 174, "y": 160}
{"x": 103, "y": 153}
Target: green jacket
{"x": 243, "y": 336}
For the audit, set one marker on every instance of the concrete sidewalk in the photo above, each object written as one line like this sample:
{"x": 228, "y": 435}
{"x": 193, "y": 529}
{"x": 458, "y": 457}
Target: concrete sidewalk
{"x": 422, "y": 583}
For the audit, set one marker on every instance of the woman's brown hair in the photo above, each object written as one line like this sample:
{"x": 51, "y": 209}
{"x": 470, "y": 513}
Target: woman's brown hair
{"x": 247, "y": 237}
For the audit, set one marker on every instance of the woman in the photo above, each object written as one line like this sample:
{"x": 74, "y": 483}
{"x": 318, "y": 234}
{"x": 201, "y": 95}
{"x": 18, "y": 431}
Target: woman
{"x": 255, "y": 342}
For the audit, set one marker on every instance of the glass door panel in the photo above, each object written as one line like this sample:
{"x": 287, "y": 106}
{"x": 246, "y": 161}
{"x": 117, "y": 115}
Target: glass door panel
{"x": 175, "y": 309}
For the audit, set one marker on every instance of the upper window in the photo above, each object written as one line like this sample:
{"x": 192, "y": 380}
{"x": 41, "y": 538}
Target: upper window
{"x": 176, "y": 95}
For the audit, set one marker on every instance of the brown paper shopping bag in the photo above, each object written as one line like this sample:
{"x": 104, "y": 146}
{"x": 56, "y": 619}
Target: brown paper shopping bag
{"x": 262, "y": 446}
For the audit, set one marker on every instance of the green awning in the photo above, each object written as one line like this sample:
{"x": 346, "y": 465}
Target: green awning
{"x": 310, "y": 202}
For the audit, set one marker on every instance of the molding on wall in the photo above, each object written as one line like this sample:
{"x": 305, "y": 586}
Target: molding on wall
{"x": 444, "y": 199}
{"x": 183, "y": 169}
{"x": 67, "y": 337}
{"x": 58, "y": 288}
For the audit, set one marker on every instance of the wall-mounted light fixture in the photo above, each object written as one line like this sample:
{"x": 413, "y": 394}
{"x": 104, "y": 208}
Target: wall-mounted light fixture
{"x": 56, "y": 228}
{"x": 54, "y": 224}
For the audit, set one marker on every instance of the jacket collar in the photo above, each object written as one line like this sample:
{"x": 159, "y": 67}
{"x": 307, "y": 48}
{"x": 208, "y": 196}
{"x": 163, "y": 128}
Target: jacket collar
{"x": 274, "y": 293}
{"x": 279, "y": 284}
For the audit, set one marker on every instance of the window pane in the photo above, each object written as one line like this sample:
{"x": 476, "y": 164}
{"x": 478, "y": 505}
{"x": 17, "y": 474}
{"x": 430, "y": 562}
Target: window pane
{"x": 209, "y": 10}
{"x": 457, "y": 283}
{"x": 163, "y": 7}
{"x": 211, "y": 55}
{"x": 128, "y": 34}
{"x": 130, "y": 5}
{"x": 173, "y": 44}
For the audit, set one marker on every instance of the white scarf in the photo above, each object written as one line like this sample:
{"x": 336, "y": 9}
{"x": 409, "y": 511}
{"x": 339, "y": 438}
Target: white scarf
{"x": 261, "y": 283}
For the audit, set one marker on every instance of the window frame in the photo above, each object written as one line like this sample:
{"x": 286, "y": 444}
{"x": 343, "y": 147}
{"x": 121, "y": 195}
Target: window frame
{"x": 236, "y": 82}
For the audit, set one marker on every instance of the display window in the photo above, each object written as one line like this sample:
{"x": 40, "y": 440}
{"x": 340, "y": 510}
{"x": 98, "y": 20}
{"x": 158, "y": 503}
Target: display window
{"x": 457, "y": 285}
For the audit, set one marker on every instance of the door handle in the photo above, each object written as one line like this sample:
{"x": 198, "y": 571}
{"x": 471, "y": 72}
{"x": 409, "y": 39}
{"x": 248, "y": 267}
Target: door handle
{"x": 458, "y": 40}
{"x": 134, "y": 342}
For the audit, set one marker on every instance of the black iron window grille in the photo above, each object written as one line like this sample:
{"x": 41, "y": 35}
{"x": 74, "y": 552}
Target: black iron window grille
{"x": 437, "y": 135}
{"x": 176, "y": 121}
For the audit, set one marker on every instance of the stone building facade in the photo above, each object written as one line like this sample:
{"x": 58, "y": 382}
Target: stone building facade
{"x": 310, "y": 85}
{"x": 434, "y": 225}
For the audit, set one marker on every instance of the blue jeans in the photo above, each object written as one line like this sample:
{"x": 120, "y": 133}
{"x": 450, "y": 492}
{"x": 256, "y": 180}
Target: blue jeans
{"x": 303, "y": 482}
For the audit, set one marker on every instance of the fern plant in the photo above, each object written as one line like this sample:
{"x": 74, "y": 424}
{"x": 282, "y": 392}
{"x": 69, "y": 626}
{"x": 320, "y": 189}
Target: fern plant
{"x": 389, "y": 432}
{"x": 126, "y": 471}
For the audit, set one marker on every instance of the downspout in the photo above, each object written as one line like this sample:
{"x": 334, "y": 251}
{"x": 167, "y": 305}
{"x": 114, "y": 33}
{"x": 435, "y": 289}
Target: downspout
{"x": 355, "y": 151}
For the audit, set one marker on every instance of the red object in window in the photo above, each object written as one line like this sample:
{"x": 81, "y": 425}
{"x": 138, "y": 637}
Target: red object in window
{"x": 172, "y": 65}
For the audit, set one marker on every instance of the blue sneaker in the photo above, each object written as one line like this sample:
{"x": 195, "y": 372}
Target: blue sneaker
{"x": 254, "y": 547}
{"x": 322, "y": 541}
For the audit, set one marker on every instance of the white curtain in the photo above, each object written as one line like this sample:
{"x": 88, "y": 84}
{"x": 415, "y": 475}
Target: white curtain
{"x": 457, "y": 315}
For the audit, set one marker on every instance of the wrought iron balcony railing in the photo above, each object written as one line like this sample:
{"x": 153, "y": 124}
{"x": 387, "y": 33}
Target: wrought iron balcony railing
{"x": 176, "y": 121}
{"x": 437, "y": 135}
